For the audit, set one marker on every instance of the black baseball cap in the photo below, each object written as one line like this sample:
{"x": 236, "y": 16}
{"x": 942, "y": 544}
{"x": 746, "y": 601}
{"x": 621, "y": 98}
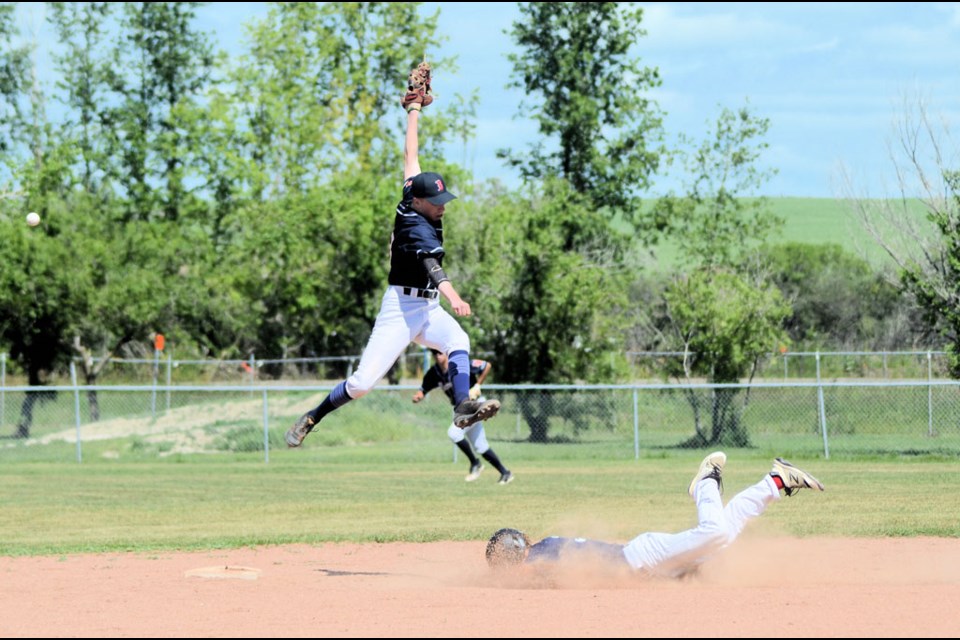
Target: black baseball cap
{"x": 431, "y": 187}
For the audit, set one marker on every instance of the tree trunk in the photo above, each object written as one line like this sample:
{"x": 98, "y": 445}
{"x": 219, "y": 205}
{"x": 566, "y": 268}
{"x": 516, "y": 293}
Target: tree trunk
{"x": 92, "y": 401}
{"x": 727, "y": 431}
{"x": 727, "y": 427}
{"x": 536, "y": 410}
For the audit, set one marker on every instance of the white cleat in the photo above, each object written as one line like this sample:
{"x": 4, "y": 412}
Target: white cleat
{"x": 711, "y": 467}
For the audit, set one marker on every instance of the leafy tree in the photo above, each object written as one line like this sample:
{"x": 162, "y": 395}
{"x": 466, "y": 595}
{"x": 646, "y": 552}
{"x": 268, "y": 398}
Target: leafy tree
{"x": 839, "y": 300}
{"x": 724, "y": 324}
{"x": 543, "y": 286}
{"x": 723, "y": 318}
{"x": 43, "y": 294}
{"x": 14, "y": 65}
{"x": 599, "y": 130}
{"x": 920, "y": 230}
{"x": 712, "y": 221}
{"x": 81, "y": 30}
{"x": 549, "y": 317}
{"x": 159, "y": 67}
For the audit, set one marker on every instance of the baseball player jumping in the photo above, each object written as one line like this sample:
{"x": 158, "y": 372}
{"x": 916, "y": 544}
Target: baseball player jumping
{"x": 439, "y": 376}
{"x": 410, "y": 310}
{"x": 664, "y": 554}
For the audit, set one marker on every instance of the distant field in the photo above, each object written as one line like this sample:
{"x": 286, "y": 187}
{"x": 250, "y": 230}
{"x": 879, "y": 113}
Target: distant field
{"x": 815, "y": 221}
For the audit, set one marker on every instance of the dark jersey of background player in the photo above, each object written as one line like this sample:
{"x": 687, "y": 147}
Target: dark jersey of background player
{"x": 436, "y": 376}
{"x": 473, "y": 437}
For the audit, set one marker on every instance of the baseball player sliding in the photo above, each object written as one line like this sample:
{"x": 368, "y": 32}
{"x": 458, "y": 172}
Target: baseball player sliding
{"x": 410, "y": 310}
{"x": 664, "y": 554}
{"x": 439, "y": 376}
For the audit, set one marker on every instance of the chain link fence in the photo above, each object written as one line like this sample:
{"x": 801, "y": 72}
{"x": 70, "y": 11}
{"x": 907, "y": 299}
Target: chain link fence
{"x": 164, "y": 368}
{"x": 805, "y": 365}
{"x": 829, "y": 419}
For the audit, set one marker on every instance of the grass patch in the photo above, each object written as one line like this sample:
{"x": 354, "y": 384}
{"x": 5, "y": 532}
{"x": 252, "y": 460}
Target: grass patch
{"x": 393, "y": 491}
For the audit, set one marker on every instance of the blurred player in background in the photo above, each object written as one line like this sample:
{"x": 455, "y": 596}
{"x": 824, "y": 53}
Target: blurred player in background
{"x": 439, "y": 376}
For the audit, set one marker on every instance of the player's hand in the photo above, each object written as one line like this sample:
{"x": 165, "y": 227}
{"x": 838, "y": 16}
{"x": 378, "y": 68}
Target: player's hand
{"x": 460, "y": 307}
{"x": 474, "y": 392}
{"x": 417, "y": 397}
{"x": 458, "y": 304}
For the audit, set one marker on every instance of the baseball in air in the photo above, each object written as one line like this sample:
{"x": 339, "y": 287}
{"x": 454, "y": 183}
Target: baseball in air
{"x": 33, "y": 219}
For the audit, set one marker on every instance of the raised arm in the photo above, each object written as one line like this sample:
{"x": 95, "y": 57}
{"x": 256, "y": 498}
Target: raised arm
{"x": 483, "y": 374}
{"x": 417, "y": 97}
{"x": 411, "y": 145}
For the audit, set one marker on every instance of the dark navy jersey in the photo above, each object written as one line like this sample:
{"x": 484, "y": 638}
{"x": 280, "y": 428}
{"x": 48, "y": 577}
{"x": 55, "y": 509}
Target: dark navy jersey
{"x": 556, "y": 549}
{"x": 414, "y": 238}
{"x": 437, "y": 377}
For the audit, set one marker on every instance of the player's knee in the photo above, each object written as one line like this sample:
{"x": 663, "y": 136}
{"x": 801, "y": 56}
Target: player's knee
{"x": 458, "y": 343}
{"x": 455, "y": 434}
{"x": 715, "y": 533}
{"x": 359, "y": 386}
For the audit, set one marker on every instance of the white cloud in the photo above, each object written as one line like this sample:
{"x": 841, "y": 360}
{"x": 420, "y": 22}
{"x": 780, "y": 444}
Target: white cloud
{"x": 675, "y": 27}
{"x": 820, "y": 47}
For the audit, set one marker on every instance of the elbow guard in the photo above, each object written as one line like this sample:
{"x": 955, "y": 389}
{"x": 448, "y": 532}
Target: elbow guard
{"x": 434, "y": 271}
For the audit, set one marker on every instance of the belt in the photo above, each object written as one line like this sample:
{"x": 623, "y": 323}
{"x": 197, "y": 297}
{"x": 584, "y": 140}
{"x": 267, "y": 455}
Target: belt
{"x": 420, "y": 293}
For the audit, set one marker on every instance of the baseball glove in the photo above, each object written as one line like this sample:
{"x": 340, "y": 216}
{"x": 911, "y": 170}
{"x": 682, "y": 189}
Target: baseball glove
{"x": 418, "y": 88}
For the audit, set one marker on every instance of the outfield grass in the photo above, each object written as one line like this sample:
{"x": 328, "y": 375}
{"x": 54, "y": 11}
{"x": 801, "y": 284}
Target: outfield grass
{"x": 388, "y": 493}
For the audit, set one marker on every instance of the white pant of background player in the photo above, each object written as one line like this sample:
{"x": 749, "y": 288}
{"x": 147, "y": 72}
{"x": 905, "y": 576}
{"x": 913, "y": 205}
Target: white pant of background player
{"x": 673, "y": 554}
{"x": 474, "y": 433}
{"x": 404, "y": 319}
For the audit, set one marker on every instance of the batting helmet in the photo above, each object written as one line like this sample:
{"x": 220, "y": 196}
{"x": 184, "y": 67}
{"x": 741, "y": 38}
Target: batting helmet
{"x": 507, "y": 547}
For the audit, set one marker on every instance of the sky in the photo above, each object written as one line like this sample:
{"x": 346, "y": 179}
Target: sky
{"x": 831, "y": 77}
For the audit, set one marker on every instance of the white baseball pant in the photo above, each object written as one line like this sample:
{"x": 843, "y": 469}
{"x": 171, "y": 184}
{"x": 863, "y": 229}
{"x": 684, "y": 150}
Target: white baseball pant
{"x": 404, "y": 319}
{"x": 673, "y": 554}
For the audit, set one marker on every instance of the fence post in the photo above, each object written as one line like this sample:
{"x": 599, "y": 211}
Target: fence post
{"x": 929, "y": 395}
{"x": 823, "y": 412}
{"x": 266, "y": 430}
{"x": 636, "y": 427}
{"x": 784, "y": 367}
{"x": 76, "y": 406}
{"x": 156, "y": 374}
{"x": 3, "y": 384}
{"x": 169, "y": 377}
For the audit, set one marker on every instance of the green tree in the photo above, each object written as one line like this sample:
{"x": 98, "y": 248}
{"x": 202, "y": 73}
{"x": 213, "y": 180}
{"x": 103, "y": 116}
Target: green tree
{"x": 14, "y": 66}
{"x": 712, "y": 220}
{"x": 544, "y": 281}
{"x": 920, "y": 229}
{"x": 588, "y": 94}
{"x": 840, "y": 301}
{"x": 722, "y": 315}
{"x": 43, "y": 293}
{"x": 159, "y": 67}
{"x": 81, "y": 30}
{"x": 725, "y": 324}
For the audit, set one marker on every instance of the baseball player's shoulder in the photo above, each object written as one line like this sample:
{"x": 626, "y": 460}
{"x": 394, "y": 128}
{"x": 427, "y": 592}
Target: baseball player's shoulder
{"x": 477, "y": 362}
